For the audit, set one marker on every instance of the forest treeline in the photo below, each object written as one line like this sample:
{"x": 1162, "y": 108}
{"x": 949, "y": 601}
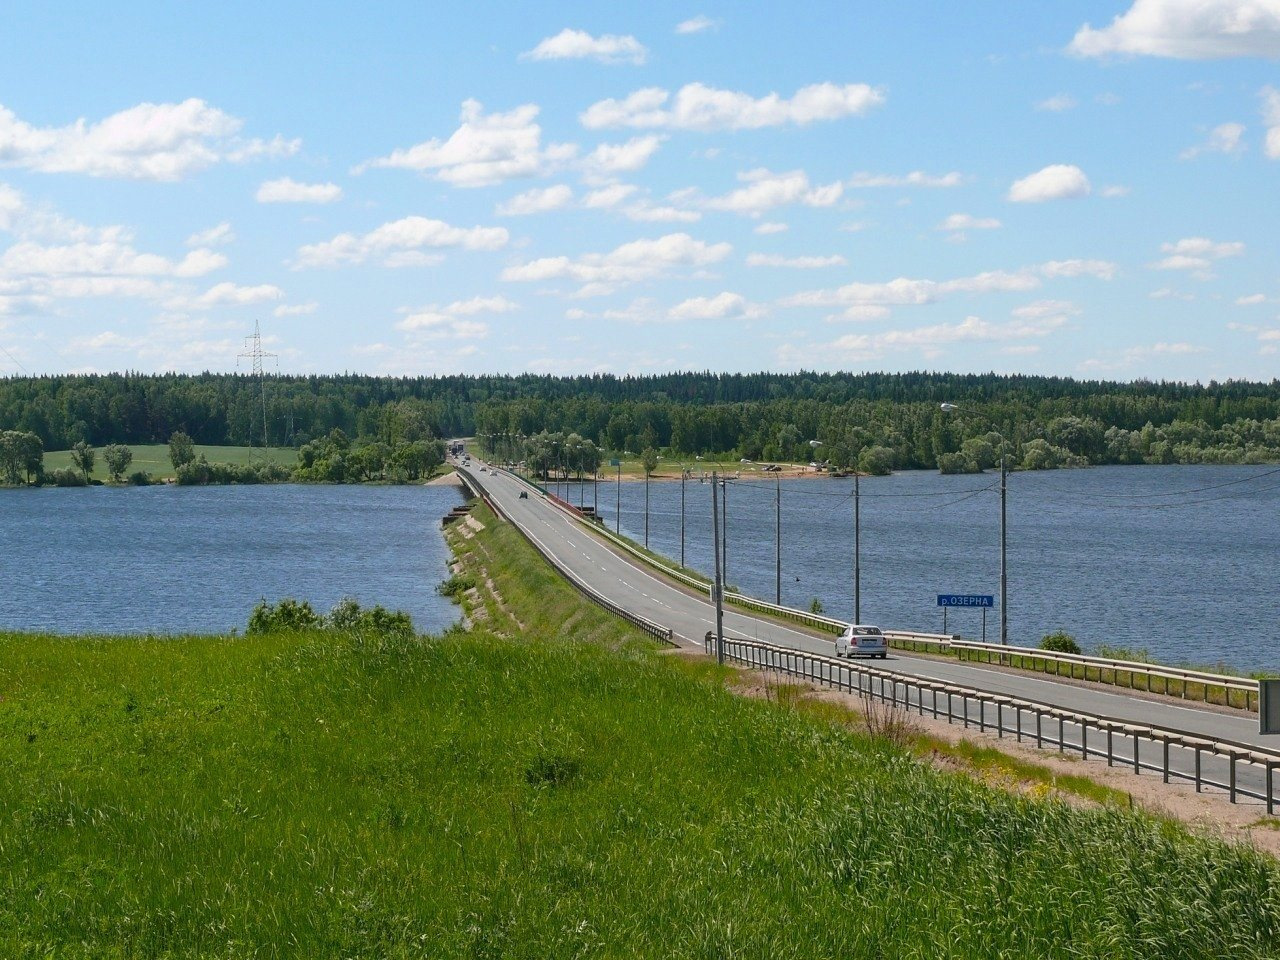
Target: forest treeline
{"x": 1047, "y": 421}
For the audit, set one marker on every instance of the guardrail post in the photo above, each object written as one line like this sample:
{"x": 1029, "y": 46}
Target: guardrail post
{"x": 1137, "y": 767}
{"x": 1108, "y": 745}
{"x": 1039, "y": 738}
{"x": 1233, "y": 778}
{"x": 1062, "y": 740}
{"x": 964, "y": 700}
{"x": 1084, "y": 741}
{"x": 1000, "y": 720}
{"x": 1271, "y": 795}
{"x": 1166, "y": 759}
{"x": 1017, "y": 721}
{"x": 982, "y": 715}
{"x": 935, "y": 703}
{"x": 1197, "y": 769}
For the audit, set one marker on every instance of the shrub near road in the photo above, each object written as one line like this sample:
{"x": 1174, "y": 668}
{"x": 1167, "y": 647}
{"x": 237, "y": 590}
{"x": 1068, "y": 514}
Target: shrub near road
{"x": 560, "y": 792}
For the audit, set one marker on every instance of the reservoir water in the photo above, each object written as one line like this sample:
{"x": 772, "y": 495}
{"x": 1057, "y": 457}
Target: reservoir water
{"x": 168, "y": 559}
{"x": 1180, "y": 560}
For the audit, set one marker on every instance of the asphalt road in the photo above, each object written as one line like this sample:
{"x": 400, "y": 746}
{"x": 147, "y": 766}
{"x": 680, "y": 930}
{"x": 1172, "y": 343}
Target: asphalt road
{"x": 640, "y": 590}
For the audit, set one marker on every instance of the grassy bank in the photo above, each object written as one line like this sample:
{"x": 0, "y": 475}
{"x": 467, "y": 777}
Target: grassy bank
{"x": 154, "y": 458}
{"x": 545, "y": 785}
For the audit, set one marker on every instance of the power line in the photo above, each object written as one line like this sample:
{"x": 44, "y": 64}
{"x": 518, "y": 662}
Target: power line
{"x": 1172, "y": 493}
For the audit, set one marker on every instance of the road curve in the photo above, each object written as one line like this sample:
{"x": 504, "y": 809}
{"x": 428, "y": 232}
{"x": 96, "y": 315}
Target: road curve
{"x": 642, "y": 591}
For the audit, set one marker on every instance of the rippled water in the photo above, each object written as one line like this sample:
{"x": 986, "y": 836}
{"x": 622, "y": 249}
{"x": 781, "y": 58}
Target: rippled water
{"x": 1179, "y": 560}
{"x": 168, "y": 559}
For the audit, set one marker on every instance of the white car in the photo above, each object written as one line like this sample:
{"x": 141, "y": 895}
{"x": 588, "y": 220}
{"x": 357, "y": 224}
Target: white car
{"x": 860, "y": 640}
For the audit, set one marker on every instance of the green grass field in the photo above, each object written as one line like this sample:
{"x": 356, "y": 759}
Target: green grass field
{"x": 545, "y": 785}
{"x": 154, "y": 458}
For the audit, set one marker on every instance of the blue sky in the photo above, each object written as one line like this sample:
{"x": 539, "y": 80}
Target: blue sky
{"x": 1086, "y": 190}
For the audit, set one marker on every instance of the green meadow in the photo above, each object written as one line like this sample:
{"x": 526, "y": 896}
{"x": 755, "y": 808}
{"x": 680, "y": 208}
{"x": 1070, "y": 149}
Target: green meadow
{"x": 545, "y": 784}
{"x": 154, "y": 458}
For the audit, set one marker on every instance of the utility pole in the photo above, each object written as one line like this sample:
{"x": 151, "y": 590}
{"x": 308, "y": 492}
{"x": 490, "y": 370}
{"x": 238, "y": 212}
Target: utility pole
{"x": 617, "y": 517}
{"x": 1004, "y": 569}
{"x": 719, "y": 583}
{"x": 253, "y": 351}
{"x": 646, "y": 508}
{"x": 777, "y": 536}
{"x": 857, "y": 549}
{"x": 724, "y": 528}
{"x": 682, "y": 479}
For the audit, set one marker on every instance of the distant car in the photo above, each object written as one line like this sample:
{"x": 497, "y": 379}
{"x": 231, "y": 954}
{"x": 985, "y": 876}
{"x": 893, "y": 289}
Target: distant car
{"x": 860, "y": 640}
{"x": 524, "y": 494}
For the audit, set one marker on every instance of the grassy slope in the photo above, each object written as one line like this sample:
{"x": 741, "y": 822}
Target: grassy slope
{"x": 154, "y": 458}
{"x": 577, "y": 795}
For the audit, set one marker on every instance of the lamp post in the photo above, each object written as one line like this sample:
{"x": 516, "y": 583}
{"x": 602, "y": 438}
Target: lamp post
{"x": 1004, "y": 567}
{"x": 683, "y": 475}
{"x": 719, "y": 580}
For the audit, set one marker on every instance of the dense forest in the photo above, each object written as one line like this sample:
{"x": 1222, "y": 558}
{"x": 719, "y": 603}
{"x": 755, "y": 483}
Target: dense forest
{"x": 1040, "y": 421}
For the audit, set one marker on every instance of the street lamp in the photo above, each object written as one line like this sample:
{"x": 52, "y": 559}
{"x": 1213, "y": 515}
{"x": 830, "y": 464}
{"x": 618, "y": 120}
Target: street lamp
{"x": 1004, "y": 568}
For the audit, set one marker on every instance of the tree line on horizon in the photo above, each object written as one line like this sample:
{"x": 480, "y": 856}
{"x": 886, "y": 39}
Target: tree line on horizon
{"x": 893, "y": 419}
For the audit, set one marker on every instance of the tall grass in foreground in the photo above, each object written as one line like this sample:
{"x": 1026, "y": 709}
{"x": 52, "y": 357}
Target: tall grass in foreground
{"x": 322, "y": 795}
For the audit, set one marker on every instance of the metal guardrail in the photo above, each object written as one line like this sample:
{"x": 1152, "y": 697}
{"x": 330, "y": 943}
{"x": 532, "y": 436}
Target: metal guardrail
{"x": 1122, "y": 741}
{"x": 1174, "y": 681}
{"x": 655, "y": 630}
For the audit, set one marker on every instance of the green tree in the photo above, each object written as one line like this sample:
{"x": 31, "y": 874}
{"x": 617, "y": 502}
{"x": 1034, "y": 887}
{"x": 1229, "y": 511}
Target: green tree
{"x": 876, "y": 461}
{"x": 649, "y": 460}
{"x": 20, "y": 453}
{"x": 182, "y": 449}
{"x": 84, "y": 457}
{"x": 117, "y": 457}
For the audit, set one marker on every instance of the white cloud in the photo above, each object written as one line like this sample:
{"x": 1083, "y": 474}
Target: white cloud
{"x": 1040, "y": 309}
{"x": 1251, "y": 300}
{"x": 1224, "y": 138}
{"x": 1271, "y": 117}
{"x": 1168, "y": 293}
{"x": 106, "y": 259}
{"x": 213, "y": 237}
{"x": 295, "y": 309}
{"x": 1058, "y": 103}
{"x": 699, "y": 107}
{"x": 1187, "y": 30}
{"x": 1113, "y": 191}
{"x": 1098, "y": 269}
{"x": 643, "y": 211}
{"x": 723, "y": 306}
{"x": 797, "y": 263}
{"x": 409, "y": 234}
{"x": 151, "y": 141}
{"x": 288, "y": 190}
{"x": 629, "y": 263}
{"x": 610, "y": 196}
{"x": 484, "y": 150}
{"x": 495, "y": 304}
{"x": 1057, "y": 181}
{"x": 964, "y": 221}
{"x": 916, "y": 178}
{"x": 229, "y": 295}
{"x": 1195, "y": 253}
{"x": 862, "y": 313}
{"x": 696, "y": 24}
{"x": 40, "y": 222}
{"x": 765, "y": 190}
{"x": 536, "y": 201}
{"x": 613, "y": 158}
{"x": 769, "y": 227}
{"x": 929, "y": 341}
{"x": 427, "y": 325}
{"x": 579, "y": 45}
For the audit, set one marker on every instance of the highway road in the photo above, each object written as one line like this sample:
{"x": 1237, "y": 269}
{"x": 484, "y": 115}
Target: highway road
{"x": 642, "y": 591}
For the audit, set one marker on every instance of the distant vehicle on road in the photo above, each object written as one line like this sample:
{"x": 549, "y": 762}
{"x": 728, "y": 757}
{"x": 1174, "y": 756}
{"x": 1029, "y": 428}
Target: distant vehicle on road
{"x": 861, "y": 640}
{"x": 524, "y": 494}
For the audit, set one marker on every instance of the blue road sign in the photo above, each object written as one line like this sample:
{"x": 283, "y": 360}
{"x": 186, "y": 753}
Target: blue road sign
{"x": 966, "y": 600}
{"x": 615, "y": 463}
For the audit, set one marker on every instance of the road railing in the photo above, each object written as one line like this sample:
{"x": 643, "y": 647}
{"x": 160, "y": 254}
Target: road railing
{"x": 656, "y": 630}
{"x": 1173, "y": 754}
{"x": 1232, "y": 691}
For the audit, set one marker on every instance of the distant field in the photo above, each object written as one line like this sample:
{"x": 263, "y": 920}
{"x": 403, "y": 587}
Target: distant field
{"x": 154, "y": 458}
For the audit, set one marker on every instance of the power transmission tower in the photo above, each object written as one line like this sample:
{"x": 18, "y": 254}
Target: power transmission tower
{"x": 254, "y": 352}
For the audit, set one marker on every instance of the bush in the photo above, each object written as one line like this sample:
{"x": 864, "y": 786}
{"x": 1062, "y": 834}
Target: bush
{"x": 815, "y": 606}
{"x": 1060, "y": 642}
{"x": 345, "y": 617}
{"x": 66, "y": 477}
{"x": 456, "y": 585}
{"x": 201, "y": 472}
{"x": 140, "y": 478}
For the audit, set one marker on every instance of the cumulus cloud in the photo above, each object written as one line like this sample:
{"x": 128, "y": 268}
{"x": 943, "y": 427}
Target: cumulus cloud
{"x": 1271, "y": 118}
{"x": 916, "y": 178}
{"x": 1058, "y": 103}
{"x": 1187, "y": 30}
{"x": 723, "y": 306}
{"x": 1098, "y": 269}
{"x": 765, "y": 190}
{"x": 288, "y": 190}
{"x": 795, "y": 263}
{"x": 1224, "y": 138}
{"x": 608, "y": 197}
{"x": 1251, "y": 300}
{"x": 1196, "y": 254}
{"x": 699, "y": 107}
{"x": 696, "y": 24}
{"x": 484, "y": 150}
{"x": 295, "y": 309}
{"x": 959, "y": 222}
{"x": 632, "y": 262}
{"x": 929, "y": 341}
{"x": 228, "y": 295}
{"x": 452, "y": 322}
{"x": 1058, "y": 181}
{"x": 495, "y": 304}
{"x": 213, "y": 237}
{"x": 579, "y": 45}
{"x": 536, "y": 201}
{"x": 609, "y": 159}
{"x": 150, "y": 141}
{"x": 405, "y": 236}
{"x": 769, "y": 227}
